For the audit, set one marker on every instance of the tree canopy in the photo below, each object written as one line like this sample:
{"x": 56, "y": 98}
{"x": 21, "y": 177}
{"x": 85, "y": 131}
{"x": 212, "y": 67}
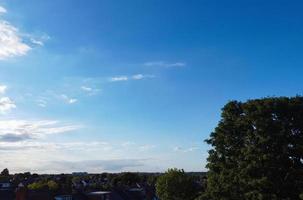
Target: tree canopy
{"x": 126, "y": 178}
{"x": 176, "y": 185}
{"x": 257, "y": 151}
{"x": 5, "y": 172}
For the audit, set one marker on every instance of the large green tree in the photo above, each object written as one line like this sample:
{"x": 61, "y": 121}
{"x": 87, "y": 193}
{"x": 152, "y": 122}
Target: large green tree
{"x": 176, "y": 185}
{"x": 257, "y": 151}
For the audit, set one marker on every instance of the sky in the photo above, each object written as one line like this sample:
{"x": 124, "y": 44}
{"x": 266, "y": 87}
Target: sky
{"x": 132, "y": 85}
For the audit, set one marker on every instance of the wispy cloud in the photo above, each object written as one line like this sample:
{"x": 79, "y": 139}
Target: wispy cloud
{"x": 14, "y": 142}
{"x": 11, "y": 44}
{"x": 68, "y": 99}
{"x": 118, "y": 78}
{"x": 71, "y": 101}
{"x": 132, "y": 77}
{"x": 37, "y": 42}
{"x": 14, "y": 43}
{"x": 142, "y": 76}
{"x": 113, "y": 165}
{"x": 44, "y": 156}
{"x": 185, "y": 150}
{"x": 19, "y": 130}
{"x": 89, "y": 90}
{"x": 6, "y": 104}
{"x": 37, "y": 39}
{"x": 2, "y": 10}
{"x": 42, "y": 102}
{"x": 165, "y": 64}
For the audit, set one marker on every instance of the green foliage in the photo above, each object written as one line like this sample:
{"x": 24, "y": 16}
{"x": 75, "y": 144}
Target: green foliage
{"x": 40, "y": 185}
{"x": 126, "y": 178}
{"x": 152, "y": 179}
{"x": 76, "y": 179}
{"x": 176, "y": 185}
{"x": 52, "y": 185}
{"x": 44, "y": 185}
{"x": 257, "y": 151}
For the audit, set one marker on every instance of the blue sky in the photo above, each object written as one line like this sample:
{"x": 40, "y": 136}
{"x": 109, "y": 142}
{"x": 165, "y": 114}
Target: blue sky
{"x": 117, "y": 85}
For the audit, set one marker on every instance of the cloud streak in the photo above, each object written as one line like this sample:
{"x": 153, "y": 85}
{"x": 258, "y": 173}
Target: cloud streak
{"x": 190, "y": 149}
{"x": 21, "y": 130}
{"x": 89, "y": 90}
{"x": 116, "y": 165}
{"x": 118, "y": 78}
{"x": 68, "y": 99}
{"x": 132, "y": 77}
{"x": 164, "y": 64}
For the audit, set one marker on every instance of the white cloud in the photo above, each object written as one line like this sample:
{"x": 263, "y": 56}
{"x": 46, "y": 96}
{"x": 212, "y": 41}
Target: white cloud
{"x": 36, "y": 39}
{"x": 87, "y": 89}
{"x": 6, "y": 104}
{"x": 165, "y": 64}
{"x": 19, "y": 130}
{"x": 42, "y": 102}
{"x": 44, "y": 156}
{"x": 20, "y": 142}
{"x": 3, "y": 89}
{"x": 11, "y": 43}
{"x": 138, "y": 76}
{"x": 37, "y": 42}
{"x": 112, "y": 165}
{"x": 180, "y": 149}
{"x": 90, "y": 91}
{"x": 2, "y": 10}
{"x": 67, "y": 99}
{"x": 141, "y": 76}
{"x": 133, "y": 77}
{"x": 118, "y": 78}
{"x": 71, "y": 101}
